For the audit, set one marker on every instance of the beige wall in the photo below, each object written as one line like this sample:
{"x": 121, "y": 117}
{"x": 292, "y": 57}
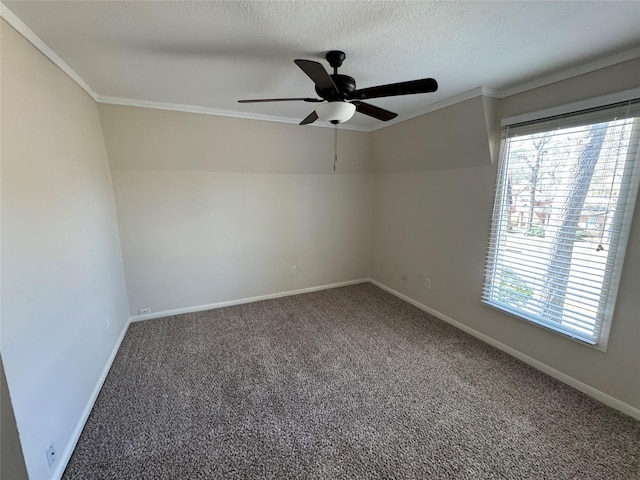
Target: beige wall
{"x": 434, "y": 222}
{"x": 451, "y": 137}
{"x": 617, "y": 78}
{"x": 214, "y": 209}
{"x": 61, "y": 265}
{"x": 150, "y": 139}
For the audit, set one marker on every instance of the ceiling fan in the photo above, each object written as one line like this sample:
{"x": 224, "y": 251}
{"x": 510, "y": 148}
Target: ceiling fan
{"x": 339, "y": 98}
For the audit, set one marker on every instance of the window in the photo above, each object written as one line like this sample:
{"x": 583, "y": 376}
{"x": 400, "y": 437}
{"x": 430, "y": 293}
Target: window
{"x": 565, "y": 194}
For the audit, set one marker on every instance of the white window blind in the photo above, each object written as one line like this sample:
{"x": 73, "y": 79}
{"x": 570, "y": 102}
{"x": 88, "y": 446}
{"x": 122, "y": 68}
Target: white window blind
{"x": 565, "y": 193}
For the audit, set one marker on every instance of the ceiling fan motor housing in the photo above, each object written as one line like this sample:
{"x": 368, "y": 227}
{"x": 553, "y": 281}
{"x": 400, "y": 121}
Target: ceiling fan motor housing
{"x": 345, "y": 85}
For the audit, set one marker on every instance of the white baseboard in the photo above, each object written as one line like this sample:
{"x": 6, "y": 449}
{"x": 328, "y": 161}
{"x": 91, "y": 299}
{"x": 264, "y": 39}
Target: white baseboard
{"x": 558, "y": 375}
{"x": 240, "y": 301}
{"x": 75, "y": 436}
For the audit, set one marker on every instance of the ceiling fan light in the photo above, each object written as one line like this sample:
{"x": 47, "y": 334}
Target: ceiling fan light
{"x": 335, "y": 112}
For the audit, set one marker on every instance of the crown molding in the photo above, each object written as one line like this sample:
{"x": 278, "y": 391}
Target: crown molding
{"x": 177, "y": 107}
{"x": 37, "y": 42}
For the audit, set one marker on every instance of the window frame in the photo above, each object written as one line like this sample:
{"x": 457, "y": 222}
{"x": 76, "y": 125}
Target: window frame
{"x": 622, "y": 219}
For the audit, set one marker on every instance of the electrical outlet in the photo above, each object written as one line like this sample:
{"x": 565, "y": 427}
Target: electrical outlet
{"x": 294, "y": 270}
{"x": 144, "y": 311}
{"x": 52, "y": 456}
{"x": 427, "y": 283}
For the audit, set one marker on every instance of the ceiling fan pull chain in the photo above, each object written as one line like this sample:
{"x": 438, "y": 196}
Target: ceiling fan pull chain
{"x": 335, "y": 146}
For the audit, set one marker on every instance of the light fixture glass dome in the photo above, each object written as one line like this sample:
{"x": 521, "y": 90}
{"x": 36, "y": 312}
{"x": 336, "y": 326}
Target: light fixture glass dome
{"x": 336, "y": 111}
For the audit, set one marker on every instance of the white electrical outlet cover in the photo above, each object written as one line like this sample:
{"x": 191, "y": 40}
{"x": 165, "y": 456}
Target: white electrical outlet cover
{"x": 51, "y": 455}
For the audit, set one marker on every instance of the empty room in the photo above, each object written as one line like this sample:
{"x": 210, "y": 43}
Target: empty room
{"x": 320, "y": 240}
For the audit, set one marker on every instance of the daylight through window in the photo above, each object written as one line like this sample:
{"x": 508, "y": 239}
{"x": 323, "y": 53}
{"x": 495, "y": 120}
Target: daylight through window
{"x": 565, "y": 193}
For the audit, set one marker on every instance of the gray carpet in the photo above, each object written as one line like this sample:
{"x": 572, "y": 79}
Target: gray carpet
{"x": 343, "y": 383}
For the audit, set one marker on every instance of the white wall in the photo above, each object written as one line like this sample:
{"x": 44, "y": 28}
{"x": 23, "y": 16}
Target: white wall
{"x": 431, "y": 212}
{"x": 215, "y": 209}
{"x": 61, "y": 265}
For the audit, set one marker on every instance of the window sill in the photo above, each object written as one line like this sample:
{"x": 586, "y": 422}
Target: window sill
{"x": 547, "y": 326}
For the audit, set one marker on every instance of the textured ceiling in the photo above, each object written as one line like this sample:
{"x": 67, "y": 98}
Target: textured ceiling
{"x": 210, "y": 54}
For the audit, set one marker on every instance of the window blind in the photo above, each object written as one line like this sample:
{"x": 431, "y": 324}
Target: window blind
{"x": 565, "y": 193}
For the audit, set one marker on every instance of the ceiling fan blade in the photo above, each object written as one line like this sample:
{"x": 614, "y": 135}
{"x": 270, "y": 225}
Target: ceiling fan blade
{"x": 425, "y": 85}
{"x": 373, "y": 111}
{"x": 312, "y": 117}
{"x": 260, "y": 100}
{"x": 316, "y": 72}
